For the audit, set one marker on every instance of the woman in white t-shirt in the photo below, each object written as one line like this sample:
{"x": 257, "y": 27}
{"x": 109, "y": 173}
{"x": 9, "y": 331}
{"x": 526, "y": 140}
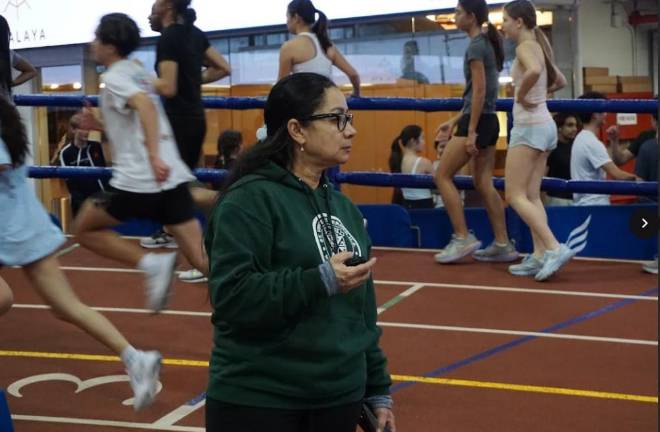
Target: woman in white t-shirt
{"x": 405, "y": 159}
{"x": 150, "y": 179}
{"x": 312, "y": 50}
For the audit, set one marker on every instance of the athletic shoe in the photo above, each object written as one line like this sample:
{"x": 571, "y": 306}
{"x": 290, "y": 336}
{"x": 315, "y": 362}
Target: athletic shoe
{"x": 458, "y": 248}
{"x": 192, "y": 276}
{"x": 159, "y": 239}
{"x": 159, "y": 269}
{"x": 497, "y": 253}
{"x": 529, "y": 266}
{"x": 651, "y": 267}
{"x": 553, "y": 261}
{"x": 143, "y": 372}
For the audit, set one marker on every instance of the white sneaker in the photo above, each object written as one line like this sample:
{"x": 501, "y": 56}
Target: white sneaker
{"x": 159, "y": 239}
{"x": 192, "y": 276}
{"x": 144, "y": 371}
{"x": 160, "y": 277}
{"x": 458, "y": 248}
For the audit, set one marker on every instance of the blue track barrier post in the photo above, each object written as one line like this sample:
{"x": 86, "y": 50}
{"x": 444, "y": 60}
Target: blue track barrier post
{"x": 5, "y": 415}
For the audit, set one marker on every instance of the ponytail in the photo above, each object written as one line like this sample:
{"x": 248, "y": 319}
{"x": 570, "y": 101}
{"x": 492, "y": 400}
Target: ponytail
{"x": 396, "y": 157}
{"x": 496, "y": 41}
{"x": 320, "y": 28}
{"x": 547, "y": 54}
{"x": 307, "y": 12}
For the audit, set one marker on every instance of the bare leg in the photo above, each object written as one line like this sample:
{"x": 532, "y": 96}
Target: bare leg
{"x": 6, "y": 297}
{"x": 483, "y": 182}
{"x": 523, "y": 169}
{"x": 91, "y": 231}
{"x": 452, "y": 160}
{"x": 51, "y": 284}
{"x": 188, "y": 236}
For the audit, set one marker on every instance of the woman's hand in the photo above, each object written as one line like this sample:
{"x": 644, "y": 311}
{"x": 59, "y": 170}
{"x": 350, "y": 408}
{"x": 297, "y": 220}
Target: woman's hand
{"x": 443, "y": 132}
{"x": 471, "y": 144}
{"x": 160, "y": 168}
{"x": 385, "y": 417}
{"x": 350, "y": 277}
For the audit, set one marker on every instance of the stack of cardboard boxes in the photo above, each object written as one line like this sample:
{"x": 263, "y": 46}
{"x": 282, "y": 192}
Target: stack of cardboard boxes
{"x": 599, "y": 79}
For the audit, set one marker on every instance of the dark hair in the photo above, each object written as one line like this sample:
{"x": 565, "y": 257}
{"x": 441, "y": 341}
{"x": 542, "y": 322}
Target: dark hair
{"x": 13, "y": 132}
{"x": 525, "y": 10}
{"x": 479, "y": 9}
{"x": 296, "y": 96}
{"x": 396, "y": 156}
{"x": 189, "y": 16}
{"x": 585, "y": 117}
{"x": 5, "y": 56}
{"x": 305, "y": 9}
{"x": 228, "y": 142}
{"x": 119, "y": 30}
{"x": 560, "y": 118}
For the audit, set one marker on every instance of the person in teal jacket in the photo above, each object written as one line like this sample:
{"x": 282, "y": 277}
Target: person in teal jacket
{"x": 294, "y": 311}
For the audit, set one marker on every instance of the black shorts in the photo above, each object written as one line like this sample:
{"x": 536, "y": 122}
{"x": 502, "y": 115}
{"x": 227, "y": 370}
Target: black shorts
{"x": 189, "y": 132}
{"x": 488, "y": 129}
{"x": 170, "y": 207}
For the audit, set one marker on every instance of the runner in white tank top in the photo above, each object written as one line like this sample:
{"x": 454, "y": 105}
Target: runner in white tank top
{"x": 319, "y": 64}
{"x": 298, "y": 55}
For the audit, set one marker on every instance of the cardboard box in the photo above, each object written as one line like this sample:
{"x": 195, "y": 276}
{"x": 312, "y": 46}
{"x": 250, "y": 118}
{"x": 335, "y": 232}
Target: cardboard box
{"x": 643, "y": 79}
{"x": 595, "y": 71}
{"x": 602, "y": 88}
{"x": 601, "y": 80}
{"x": 636, "y": 88}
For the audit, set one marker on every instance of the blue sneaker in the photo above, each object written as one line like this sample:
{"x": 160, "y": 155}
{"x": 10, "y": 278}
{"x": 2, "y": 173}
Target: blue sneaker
{"x": 529, "y": 266}
{"x": 553, "y": 261}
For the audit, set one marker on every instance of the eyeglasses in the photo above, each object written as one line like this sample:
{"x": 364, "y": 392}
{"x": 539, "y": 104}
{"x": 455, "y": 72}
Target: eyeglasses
{"x": 342, "y": 119}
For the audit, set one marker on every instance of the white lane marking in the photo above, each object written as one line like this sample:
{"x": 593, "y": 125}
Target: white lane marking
{"x": 394, "y": 324}
{"x": 519, "y": 333}
{"x": 179, "y": 414}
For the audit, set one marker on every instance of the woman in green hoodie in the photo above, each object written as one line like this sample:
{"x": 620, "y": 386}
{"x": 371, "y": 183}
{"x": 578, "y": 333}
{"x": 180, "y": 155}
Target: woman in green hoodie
{"x": 294, "y": 311}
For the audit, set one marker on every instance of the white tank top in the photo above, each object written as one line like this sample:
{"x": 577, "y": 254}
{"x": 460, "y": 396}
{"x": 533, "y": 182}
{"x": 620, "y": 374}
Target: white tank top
{"x": 319, "y": 64}
{"x": 537, "y": 94}
{"x": 411, "y": 194}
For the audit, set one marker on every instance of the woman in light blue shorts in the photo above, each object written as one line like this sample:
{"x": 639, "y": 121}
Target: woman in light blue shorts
{"x": 533, "y": 137}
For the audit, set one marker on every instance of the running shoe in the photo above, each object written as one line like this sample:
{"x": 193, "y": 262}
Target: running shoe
{"x": 159, "y": 269}
{"x": 529, "y": 266}
{"x": 458, "y": 248}
{"x": 651, "y": 267}
{"x": 192, "y": 276}
{"x": 143, "y": 373}
{"x": 159, "y": 239}
{"x": 497, "y": 253}
{"x": 553, "y": 261}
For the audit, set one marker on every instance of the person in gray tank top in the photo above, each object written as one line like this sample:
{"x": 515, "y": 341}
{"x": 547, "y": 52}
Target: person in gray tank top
{"x": 477, "y": 131}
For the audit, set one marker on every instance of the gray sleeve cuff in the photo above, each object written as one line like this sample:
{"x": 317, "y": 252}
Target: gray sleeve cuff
{"x": 329, "y": 278}
{"x": 381, "y": 401}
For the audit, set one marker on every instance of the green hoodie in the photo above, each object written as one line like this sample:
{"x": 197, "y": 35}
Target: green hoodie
{"x": 280, "y": 341}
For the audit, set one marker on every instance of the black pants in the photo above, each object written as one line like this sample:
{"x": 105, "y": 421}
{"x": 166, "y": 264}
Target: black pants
{"x": 223, "y": 417}
{"x": 189, "y": 132}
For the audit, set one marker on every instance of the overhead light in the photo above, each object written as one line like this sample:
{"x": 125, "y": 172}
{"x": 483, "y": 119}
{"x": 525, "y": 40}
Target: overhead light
{"x": 505, "y": 79}
{"x": 430, "y": 17}
{"x": 102, "y": 85}
{"x": 77, "y": 85}
{"x": 54, "y": 86}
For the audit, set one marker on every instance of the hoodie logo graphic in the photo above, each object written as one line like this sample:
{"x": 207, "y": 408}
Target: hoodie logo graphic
{"x": 345, "y": 240}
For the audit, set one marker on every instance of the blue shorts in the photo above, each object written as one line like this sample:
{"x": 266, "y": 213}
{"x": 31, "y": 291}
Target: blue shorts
{"x": 542, "y": 136}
